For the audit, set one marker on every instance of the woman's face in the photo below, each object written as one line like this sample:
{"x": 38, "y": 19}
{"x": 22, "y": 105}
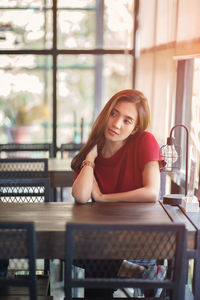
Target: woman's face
{"x": 122, "y": 121}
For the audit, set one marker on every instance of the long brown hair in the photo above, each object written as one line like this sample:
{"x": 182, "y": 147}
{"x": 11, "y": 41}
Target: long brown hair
{"x": 96, "y": 136}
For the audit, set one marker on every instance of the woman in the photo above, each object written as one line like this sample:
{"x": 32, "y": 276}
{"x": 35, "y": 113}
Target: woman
{"x": 119, "y": 162}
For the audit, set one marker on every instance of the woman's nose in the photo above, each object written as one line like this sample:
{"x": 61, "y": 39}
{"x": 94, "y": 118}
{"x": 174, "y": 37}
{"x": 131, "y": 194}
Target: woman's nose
{"x": 117, "y": 123}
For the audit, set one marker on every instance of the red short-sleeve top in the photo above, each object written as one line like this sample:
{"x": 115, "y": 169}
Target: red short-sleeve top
{"x": 123, "y": 171}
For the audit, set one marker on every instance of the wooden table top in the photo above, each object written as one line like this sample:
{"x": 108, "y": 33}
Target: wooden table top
{"x": 50, "y": 219}
{"x": 53, "y": 216}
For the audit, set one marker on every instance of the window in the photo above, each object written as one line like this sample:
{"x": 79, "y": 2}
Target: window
{"x": 195, "y": 121}
{"x": 188, "y": 112}
{"x": 60, "y": 61}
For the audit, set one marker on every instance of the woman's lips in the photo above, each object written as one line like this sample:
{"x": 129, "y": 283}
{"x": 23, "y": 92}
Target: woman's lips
{"x": 112, "y": 132}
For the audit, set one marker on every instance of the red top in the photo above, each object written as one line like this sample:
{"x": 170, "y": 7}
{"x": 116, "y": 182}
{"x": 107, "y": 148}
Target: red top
{"x": 123, "y": 171}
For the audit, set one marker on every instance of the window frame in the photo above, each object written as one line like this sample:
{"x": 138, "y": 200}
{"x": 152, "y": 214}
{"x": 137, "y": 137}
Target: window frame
{"x": 184, "y": 90}
{"x": 98, "y": 52}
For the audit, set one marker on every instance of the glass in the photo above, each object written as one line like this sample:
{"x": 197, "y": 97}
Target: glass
{"x": 25, "y": 3}
{"x": 77, "y": 24}
{"x": 117, "y": 74}
{"x": 76, "y": 90}
{"x": 25, "y": 98}
{"x": 76, "y": 3}
{"x": 195, "y": 119}
{"x": 118, "y": 24}
{"x": 25, "y": 25}
{"x": 84, "y": 82}
{"x": 76, "y": 29}
{"x": 75, "y": 96}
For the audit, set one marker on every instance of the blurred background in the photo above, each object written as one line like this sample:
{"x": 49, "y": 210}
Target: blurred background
{"x": 61, "y": 61}
{"x": 64, "y": 59}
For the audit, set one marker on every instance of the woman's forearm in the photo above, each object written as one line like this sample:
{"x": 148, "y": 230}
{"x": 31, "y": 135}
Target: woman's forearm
{"x": 82, "y": 186}
{"x": 144, "y": 194}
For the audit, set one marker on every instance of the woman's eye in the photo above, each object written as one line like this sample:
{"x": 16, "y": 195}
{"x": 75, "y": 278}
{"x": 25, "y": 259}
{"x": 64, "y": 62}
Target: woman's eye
{"x": 127, "y": 122}
{"x": 113, "y": 114}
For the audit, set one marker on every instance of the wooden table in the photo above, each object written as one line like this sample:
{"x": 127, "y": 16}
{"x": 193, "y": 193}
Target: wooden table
{"x": 60, "y": 172}
{"x": 50, "y": 219}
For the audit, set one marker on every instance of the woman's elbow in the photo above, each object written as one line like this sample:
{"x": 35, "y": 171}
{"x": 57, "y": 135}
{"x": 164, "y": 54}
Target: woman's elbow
{"x": 80, "y": 197}
{"x": 154, "y": 196}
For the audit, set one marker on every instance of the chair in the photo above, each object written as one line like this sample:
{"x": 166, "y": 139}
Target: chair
{"x": 37, "y": 150}
{"x": 99, "y": 248}
{"x": 24, "y": 190}
{"x": 23, "y": 167}
{"x": 17, "y": 240}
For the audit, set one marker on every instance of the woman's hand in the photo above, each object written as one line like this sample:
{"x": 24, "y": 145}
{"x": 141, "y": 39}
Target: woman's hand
{"x": 92, "y": 154}
{"x": 96, "y": 193}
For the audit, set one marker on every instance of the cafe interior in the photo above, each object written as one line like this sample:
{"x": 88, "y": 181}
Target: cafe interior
{"x": 60, "y": 63}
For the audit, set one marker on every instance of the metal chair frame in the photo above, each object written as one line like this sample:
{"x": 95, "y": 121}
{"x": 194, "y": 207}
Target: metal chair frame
{"x": 70, "y": 147}
{"x": 23, "y": 167}
{"x": 24, "y": 190}
{"x": 30, "y": 247}
{"x": 36, "y": 147}
{"x": 31, "y": 190}
{"x": 81, "y": 247}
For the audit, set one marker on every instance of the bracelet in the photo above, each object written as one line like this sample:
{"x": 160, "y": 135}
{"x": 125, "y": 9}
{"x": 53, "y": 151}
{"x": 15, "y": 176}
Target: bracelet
{"x": 87, "y": 163}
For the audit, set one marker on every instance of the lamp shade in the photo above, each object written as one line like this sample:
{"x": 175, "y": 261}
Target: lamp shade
{"x": 171, "y": 154}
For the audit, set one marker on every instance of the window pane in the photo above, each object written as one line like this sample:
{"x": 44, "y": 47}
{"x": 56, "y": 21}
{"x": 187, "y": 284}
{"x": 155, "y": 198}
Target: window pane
{"x": 77, "y": 24}
{"x": 25, "y": 98}
{"x": 76, "y": 90}
{"x": 76, "y": 29}
{"x": 118, "y": 19}
{"x": 25, "y": 3}
{"x": 76, "y": 3}
{"x": 25, "y": 25}
{"x": 195, "y": 118}
{"x": 117, "y": 74}
{"x": 84, "y": 82}
{"x": 75, "y": 96}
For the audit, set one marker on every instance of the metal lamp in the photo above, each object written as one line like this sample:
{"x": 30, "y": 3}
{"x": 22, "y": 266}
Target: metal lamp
{"x": 171, "y": 154}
